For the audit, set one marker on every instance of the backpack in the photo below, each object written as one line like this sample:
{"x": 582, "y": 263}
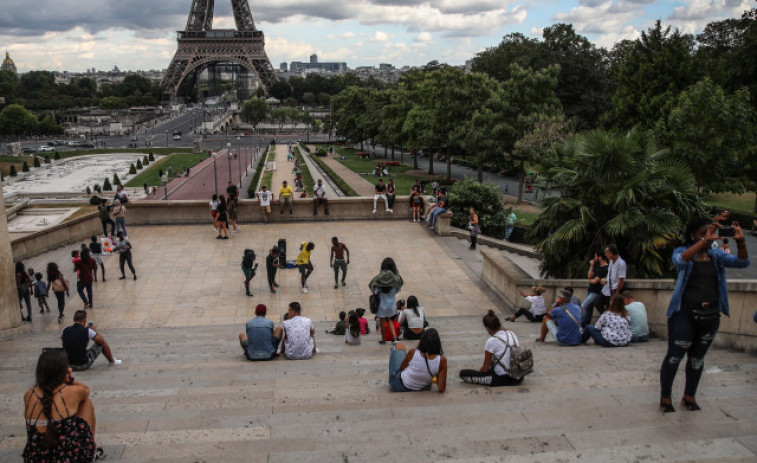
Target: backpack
{"x": 521, "y": 360}
{"x": 249, "y": 258}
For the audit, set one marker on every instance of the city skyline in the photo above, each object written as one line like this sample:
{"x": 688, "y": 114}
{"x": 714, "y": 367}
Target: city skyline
{"x": 140, "y": 35}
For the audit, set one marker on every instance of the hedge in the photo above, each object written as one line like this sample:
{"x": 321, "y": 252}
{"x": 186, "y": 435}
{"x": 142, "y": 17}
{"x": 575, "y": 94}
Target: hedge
{"x": 339, "y": 181}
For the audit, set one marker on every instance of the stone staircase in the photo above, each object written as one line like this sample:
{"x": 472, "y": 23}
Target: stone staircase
{"x": 188, "y": 395}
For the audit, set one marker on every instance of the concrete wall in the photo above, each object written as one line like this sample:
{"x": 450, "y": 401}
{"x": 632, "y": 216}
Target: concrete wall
{"x": 10, "y": 316}
{"x": 739, "y": 331}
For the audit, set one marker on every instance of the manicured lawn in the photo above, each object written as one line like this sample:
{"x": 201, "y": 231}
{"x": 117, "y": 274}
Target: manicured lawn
{"x": 402, "y": 182}
{"x": 732, "y": 201}
{"x": 267, "y": 178}
{"x": 177, "y": 162}
{"x": 90, "y": 151}
{"x": 307, "y": 179}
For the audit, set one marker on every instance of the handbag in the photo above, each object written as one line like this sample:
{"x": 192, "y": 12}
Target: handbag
{"x": 373, "y": 303}
{"x": 705, "y": 315}
{"x": 57, "y": 285}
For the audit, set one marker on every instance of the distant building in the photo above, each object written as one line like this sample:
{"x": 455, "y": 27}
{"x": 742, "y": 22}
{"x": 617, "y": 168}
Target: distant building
{"x": 283, "y": 67}
{"x": 386, "y": 67}
{"x": 8, "y": 64}
{"x": 315, "y": 66}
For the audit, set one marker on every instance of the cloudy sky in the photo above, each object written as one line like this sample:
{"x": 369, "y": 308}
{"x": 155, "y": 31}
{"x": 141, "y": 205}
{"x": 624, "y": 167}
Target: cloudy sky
{"x": 140, "y": 34}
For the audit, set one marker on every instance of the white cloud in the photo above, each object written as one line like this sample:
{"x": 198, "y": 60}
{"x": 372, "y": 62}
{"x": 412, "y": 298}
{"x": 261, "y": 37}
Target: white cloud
{"x": 694, "y": 15}
{"x": 380, "y": 36}
{"x": 610, "y": 39}
{"x": 424, "y": 37}
{"x": 600, "y": 17}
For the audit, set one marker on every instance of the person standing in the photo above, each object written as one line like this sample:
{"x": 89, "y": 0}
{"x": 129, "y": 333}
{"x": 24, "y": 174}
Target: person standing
{"x": 510, "y": 223}
{"x": 119, "y": 212}
{"x": 271, "y": 265}
{"x": 385, "y": 286}
{"x": 121, "y": 195}
{"x": 40, "y": 292}
{"x": 232, "y": 191}
{"x": 699, "y": 297}
{"x": 416, "y": 203}
{"x": 222, "y": 219}
{"x": 285, "y": 197}
{"x": 380, "y": 193}
{"x": 337, "y": 260}
{"x": 124, "y": 254}
{"x": 232, "y": 206}
{"x": 319, "y": 193}
{"x": 96, "y": 250}
{"x": 214, "y": 211}
{"x": 390, "y": 191}
{"x": 474, "y": 227}
{"x": 265, "y": 204}
{"x": 616, "y": 272}
{"x": 594, "y": 297}
{"x": 103, "y": 210}
{"x": 304, "y": 264}
{"x": 84, "y": 267}
{"x": 24, "y": 289}
{"x": 249, "y": 268}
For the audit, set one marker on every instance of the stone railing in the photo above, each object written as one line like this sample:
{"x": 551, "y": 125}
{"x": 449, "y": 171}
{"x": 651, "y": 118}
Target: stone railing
{"x": 738, "y": 331}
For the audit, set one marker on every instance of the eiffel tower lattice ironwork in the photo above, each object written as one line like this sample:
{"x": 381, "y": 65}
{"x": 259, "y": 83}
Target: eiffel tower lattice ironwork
{"x": 199, "y": 46}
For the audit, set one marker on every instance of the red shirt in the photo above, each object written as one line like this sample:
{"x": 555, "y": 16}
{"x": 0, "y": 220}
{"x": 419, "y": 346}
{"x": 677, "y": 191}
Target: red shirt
{"x": 84, "y": 269}
{"x": 363, "y": 325}
{"x": 388, "y": 335}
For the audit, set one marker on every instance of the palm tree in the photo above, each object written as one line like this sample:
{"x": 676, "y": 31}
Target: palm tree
{"x": 616, "y": 188}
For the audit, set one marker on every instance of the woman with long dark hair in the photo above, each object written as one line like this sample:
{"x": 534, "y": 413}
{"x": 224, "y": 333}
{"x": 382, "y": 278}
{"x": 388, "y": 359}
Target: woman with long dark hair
{"x": 60, "y": 417}
{"x": 59, "y": 285}
{"x": 222, "y": 219}
{"x": 419, "y": 368}
{"x": 23, "y": 287}
{"x": 497, "y": 351}
{"x": 386, "y": 285}
{"x": 412, "y": 319}
{"x": 612, "y": 328}
{"x": 352, "y": 333}
{"x": 699, "y": 297}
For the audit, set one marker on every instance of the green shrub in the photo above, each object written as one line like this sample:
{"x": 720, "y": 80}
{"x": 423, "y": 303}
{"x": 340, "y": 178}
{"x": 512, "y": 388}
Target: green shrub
{"x": 151, "y": 157}
{"x": 145, "y": 161}
{"x": 116, "y": 180}
{"x": 339, "y": 181}
{"x": 12, "y": 171}
{"x": 56, "y": 156}
{"x": 95, "y": 200}
{"x": 47, "y": 159}
{"x": 139, "y": 164}
{"x": 320, "y": 152}
{"x": 132, "y": 169}
{"x": 256, "y": 178}
{"x": 36, "y": 162}
{"x": 106, "y": 185}
{"x": 25, "y": 167}
{"x": 485, "y": 199}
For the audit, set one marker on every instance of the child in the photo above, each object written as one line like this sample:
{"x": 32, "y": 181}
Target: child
{"x": 340, "y": 326}
{"x": 40, "y": 292}
{"x": 364, "y": 329}
{"x": 96, "y": 249}
{"x": 387, "y": 333}
{"x": 352, "y": 334}
{"x": 538, "y": 306}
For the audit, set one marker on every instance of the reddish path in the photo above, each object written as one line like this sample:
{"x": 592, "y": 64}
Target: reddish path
{"x": 200, "y": 183}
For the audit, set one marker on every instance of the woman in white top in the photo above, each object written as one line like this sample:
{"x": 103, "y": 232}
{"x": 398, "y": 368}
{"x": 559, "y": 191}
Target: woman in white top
{"x": 412, "y": 320}
{"x": 538, "y": 307}
{"x": 214, "y": 211}
{"x": 497, "y": 351}
{"x": 419, "y": 368}
{"x": 352, "y": 333}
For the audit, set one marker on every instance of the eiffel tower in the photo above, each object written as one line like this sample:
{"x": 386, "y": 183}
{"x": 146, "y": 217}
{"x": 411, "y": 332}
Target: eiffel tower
{"x": 201, "y": 46}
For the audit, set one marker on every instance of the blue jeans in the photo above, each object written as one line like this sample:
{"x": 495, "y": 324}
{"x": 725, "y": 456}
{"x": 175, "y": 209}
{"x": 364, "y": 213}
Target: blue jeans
{"x": 587, "y": 308}
{"x": 685, "y": 338}
{"x": 80, "y": 287}
{"x": 435, "y": 215}
{"x": 105, "y": 227}
{"x": 596, "y": 335}
{"x": 395, "y": 361}
{"x": 121, "y": 224}
{"x": 508, "y": 232}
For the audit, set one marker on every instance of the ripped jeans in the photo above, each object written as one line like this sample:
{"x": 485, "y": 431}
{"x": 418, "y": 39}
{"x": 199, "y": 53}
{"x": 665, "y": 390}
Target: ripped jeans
{"x": 685, "y": 338}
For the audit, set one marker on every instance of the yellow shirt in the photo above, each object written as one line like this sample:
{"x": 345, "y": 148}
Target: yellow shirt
{"x": 285, "y": 191}
{"x": 303, "y": 258}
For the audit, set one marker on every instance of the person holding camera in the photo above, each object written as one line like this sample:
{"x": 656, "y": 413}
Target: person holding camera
{"x": 699, "y": 297}
{"x": 76, "y": 339}
{"x": 594, "y": 297}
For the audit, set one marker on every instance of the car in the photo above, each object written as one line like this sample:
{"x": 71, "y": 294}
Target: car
{"x": 75, "y": 143}
{"x": 87, "y": 144}
{"x": 28, "y": 150}
{"x": 177, "y": 136}
{"x": 46, "y": 148}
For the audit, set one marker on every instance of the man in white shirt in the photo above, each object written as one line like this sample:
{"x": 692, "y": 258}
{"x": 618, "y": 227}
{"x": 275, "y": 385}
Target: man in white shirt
{"x": 265, "y": 203}
{"x": 299, "y": 343}
{"x": 319, "y": 193}
{"x": 616, "y": 272}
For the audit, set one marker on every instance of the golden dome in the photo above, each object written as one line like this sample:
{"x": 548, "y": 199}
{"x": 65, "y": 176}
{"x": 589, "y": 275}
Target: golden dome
{"x": 8, "y": 64}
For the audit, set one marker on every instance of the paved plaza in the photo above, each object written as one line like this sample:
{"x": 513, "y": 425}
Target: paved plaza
{"x": 186, "y": 394}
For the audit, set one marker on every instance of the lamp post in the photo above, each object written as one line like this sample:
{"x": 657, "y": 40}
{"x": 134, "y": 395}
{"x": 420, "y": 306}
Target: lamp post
{"x": 215, "y": 171}
{"x": 228, "y": 155}
{"x": 239, "y": 159}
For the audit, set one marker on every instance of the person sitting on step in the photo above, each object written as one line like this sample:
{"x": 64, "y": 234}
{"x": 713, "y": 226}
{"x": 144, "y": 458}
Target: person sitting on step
{"x": 562, "y": 321}
{"x": 76, "y": 339}
{"x": 497, "y": 351}
{"x": 260, "y": 339}
{"x": 538, "y": 306}
{"x": 419, "y": 368}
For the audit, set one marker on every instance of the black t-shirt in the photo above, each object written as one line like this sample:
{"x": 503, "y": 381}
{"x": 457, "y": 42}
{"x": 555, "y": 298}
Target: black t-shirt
{"x": 232, "y": 191}
{"x": 702, "y": 286}
{"x": 380, "y": 188}
{"x": 416, "y": 188}
{"x": 271, "y": 262}
{"x": 601, "y": 272}
{"x": 75, "y": 340}
{"x": 443, "y": 202}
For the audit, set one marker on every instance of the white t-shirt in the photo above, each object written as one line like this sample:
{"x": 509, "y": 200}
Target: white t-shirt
{"x": 319, "y": 191}
{"x": 265, "y": 198}
{"x": 497, "y": 346}
{"x": 537, "y": 305}
{"x": 413, "y": 321}
{"x": 298, "y": 344}
{"x": 615, "y": 271}
{"x": 213, "y": 205}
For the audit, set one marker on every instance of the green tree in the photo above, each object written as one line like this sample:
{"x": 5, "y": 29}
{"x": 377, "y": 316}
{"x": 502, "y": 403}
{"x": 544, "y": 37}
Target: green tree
{"x": 9, "y": 86}
{"x": 36, "y": 162}
{"x": 254, "y": 111}
{"x": 116, "y": 180}
{"x": 139, "y": 164}
{"x": 48, "y": 126}
{"x": 279, "y": 116}
{"x": 16, "y": 120}
{"x": 106, "y": 185}
{"x": 112, "y": 102}
{"x": 47, "y": 159}
{"x": 347, "y": 109}
{"x": 12, "y": 171}
{"x": 515, "y": 48}
{"x": 617, "y": 188}
{"x": 151, "y": 157}
{"x": 25, "y": 167}
{"x": 132, "y": 170}
{"x": 145, "y": 161}
{"x": 56, "y": 156}
{"x": 649, "y": 77}
{"x": 36, "y": 85}
{"x": 485, "y": 198}
{"x": 711, "y": 133}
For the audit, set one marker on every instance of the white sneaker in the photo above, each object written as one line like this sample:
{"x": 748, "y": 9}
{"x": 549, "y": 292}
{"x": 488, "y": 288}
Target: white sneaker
{"x": 390, "y": 211}
{"x": 117, "y": 362}
{"x": 374, "y": 211}
{"x": 304, "y": 290}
